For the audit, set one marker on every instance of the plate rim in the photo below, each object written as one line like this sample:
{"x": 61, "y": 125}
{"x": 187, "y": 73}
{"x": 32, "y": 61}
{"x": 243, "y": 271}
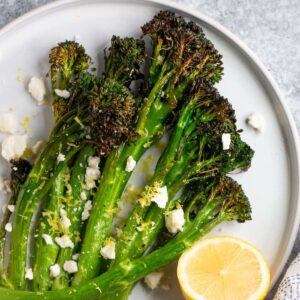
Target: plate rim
{"x": 269, "y": 83}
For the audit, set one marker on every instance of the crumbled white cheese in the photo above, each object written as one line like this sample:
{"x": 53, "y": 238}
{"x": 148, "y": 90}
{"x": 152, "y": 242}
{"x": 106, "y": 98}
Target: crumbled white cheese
{"x": 86, "y": 211}
{"x": 5, "y": 186}
{"x": 93, "y": 161}
{"x": 11, "y": 208}
{"x": 48, "y": 239}
{"x": 8, "y": 227}
{"x": 54, "y": 270}
{"x": 130, "y": 164}
{"x": 61, "y": 157}
{"x": 37, "y": 147}
{"x": 8, "y": 123}
{"x": 14, "y": 146}
{"x": 62, "y": 212}
{"x": 92, "y": 172}
{"x": 256, "y": 121}
{"x": 91, "y": 175}
{"x": 64, "y": 241}
{"x": 29, "y": 274}
{"x": 37, "y": 89}
{"x": 161, "y": 197}
{"x": 83, "y": 196}
{"x": 70, "y": 266}
{"x": 75, "y": 256}
{"x": 65, "y": 222}
{"x": 226, "y": 141}
{"x": 175, "y": 220}
{"x": 62, "y": 93}
{"x": 153, "y": 279}
{"x": 108, "y": 251}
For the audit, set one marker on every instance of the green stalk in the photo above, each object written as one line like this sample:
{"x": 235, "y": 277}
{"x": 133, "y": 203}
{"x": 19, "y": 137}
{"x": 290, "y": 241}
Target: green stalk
{"x": 141, "y": 240}
{"x": 37, "y": 185}
{"x": 144, "y": 114}
{"x": 45, "y": 255}
{"x": 77, "y": 186}
{"x": 6, "y": 217}
{"x": 165, "y": 166}
{"x": 129, "y": 272}
{"x": 113, "y": 182}
{"x": 112, "y": 186}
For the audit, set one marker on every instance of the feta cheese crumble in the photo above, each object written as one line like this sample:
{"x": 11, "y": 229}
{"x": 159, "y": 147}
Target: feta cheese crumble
{"x": 108, "y": 251}
{"x": 29, "y": 274}
{"x": 161, "y": 197}
{"x": 11, "y": 208}
{"x": 62, "y": 93}
{"x": 93, "y": 161}
{"x": 75, "y": 256}
{"x": 175, "y": 220}
{"x": 256, "y": 121}
{"x": 226, "y": 141}
{"x": 37, "y": 89}
{"x": 65, "y": 222}
{"x": 8, "y": 123}
{"x": 64, "y": 242}
{"x": 83, "y": 196}
{"x": 92, "y": 172}
{"x": 86, "y": 211}
{"x": 48, "y": 239}
{"x": 61, "y": 157}
{"x": 153, "y": 279}
{"x": 130, "y": 164}
{"x": 62, "y": 212}
{"x": 8, "y": 227}
{"x": 54, "y": 270}
{"x": 70, "y": 266}
{"x": 14, "y": 146}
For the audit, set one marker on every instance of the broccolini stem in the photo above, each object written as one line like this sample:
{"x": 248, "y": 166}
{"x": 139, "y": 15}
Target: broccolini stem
{"x": 6, "y": 217}
{"x": 153, "y": 216}
{"x": 130, "y": 271}
{"x": 105, "y": 199}
{"x": 35, "y": 188}
{"x": 113, "y": 182}
{"x": 45, "y": 254}
{"x": 168, "y": 170}
{"x": 141, "y": 126}
{"x": 74, "y": 211}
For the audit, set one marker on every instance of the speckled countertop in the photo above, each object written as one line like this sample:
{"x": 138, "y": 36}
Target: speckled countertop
{"x": 271, "y": 28}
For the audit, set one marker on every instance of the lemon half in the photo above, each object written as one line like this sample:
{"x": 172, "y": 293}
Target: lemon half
{"x": 223, "y": 268}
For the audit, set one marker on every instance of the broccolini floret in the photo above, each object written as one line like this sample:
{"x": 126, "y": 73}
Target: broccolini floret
{"x": 124, "y": 60}
{"x": 67, "y": 60}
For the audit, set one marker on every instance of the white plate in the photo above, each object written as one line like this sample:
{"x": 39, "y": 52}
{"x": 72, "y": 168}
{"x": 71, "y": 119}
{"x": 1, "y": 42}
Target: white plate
{"x": 272, "y": 183}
